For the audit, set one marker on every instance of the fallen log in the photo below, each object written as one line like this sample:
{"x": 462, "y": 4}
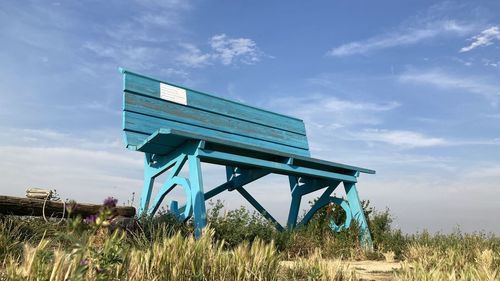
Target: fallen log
{"x": 34, "y": 207}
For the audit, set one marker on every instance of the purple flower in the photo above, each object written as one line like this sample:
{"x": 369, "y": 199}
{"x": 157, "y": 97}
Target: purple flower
{"x": 91, "y": 219}
{"x": 110, "y": 202}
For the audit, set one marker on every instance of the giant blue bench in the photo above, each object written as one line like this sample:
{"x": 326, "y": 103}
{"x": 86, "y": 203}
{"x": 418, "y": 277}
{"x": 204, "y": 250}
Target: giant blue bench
{"x": 173, "y": 125}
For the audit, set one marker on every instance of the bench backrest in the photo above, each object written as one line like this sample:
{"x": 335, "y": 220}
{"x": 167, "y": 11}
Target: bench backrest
{"x": 150, "y": 105}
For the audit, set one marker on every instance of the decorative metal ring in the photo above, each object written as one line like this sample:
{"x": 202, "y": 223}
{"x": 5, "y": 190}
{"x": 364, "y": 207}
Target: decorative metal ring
{"x": 188, "y": 209}
{"x": 348, "y": 214}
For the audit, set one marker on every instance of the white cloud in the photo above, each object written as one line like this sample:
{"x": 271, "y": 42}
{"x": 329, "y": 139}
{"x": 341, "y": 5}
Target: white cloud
{"x": 492, "y": 170}
{"x": 334, "y": 104}
{"x": 135, "y": 53}
{"x": 407, "y": 35}
{"x": 485, "y": 38}
{"x": 224, "y": 50}
{"x": 329, "y": 104}
{"x": 161, "y": 13}
{"x": 166, "y": 4}
{"x": 443, "y": 80}
{"x": 412, "y": 139}
{"x": 401, "y": 138}
{"x": 328, "y": 117}
{"x": 84, "y": 168}
{"x": 487, "y": 62}
{"x": 193, "y": 57}
{"x": 228, "y": 49}
{"x": 157, "y": 19}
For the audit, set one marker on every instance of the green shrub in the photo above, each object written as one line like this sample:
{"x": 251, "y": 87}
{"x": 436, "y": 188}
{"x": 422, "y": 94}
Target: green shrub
{"x": 237, "y": 226}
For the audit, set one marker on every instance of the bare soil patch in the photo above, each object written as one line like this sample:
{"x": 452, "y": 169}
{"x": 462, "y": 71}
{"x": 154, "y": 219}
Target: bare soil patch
{"x": 368, "y": 270}
{"x": 375, "y": 270}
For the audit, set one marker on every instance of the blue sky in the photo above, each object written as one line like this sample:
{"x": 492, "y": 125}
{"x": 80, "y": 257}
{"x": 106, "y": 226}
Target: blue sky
{"x": 408, "y": 88}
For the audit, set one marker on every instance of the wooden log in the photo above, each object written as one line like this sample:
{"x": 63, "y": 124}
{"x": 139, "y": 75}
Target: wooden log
{"x": 33, "y": 207}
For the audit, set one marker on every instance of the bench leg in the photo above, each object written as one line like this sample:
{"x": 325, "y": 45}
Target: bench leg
{"x": 359, "y": 215}
{"x": 259, "y": 208}
{"x": 197, "y": 195}
{"x": 322, "y": 201}
{"x": 237, "y": 178}
{"x": 154, "y": 168}
{"x": 147, "y": 188}
{"x": 293, "y": 213}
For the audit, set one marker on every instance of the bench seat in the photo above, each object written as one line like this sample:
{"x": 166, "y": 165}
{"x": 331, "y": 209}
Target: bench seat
{"x": 217, "y": 150}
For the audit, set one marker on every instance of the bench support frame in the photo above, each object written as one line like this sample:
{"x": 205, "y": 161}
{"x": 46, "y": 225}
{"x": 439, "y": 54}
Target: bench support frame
{"x": 240, "y": 171}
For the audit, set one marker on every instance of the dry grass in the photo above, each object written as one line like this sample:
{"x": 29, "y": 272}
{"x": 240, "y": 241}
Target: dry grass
{"x": 169, "y": 258}
{"x": 430, "y": 263}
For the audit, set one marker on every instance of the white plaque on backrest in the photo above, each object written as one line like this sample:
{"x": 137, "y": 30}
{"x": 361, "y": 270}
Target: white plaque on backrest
{"x": 173, "y": 94}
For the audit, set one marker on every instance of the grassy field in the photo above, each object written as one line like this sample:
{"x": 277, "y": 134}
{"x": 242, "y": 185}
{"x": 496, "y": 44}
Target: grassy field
{"x": 239, "y": 245}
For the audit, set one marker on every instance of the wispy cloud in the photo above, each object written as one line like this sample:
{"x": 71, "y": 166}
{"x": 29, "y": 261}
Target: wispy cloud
{"x": 400, "y": 138}
{"x": 403, "y": 36}
{"x": 328, "y": 117}
{"x": 491, "y": 170}
{"x": 99, "y": 167}
{"x": 426, "y": 25}
{"x": 229, "y": 49}
{"x": 162, "y": 13}
{"x": 224, "y": 50}
{"x": 319, "y": 109}
{"x": 166, "y": 4}
{"x": 414, "y": 139}
{"x": 145, "y": 39}
{"x": 40, "y": 157}
{"x": 192, "y": 56}
{"x": 441, "y": 79}
{"x": 485, "y": 38}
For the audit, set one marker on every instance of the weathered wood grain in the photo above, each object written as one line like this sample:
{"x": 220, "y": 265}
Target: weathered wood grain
{"x": 214, "y": 121}
{"x": 148, "y": 86}
{"x": 148, "y": 125}
{"x": 33, "y": 207}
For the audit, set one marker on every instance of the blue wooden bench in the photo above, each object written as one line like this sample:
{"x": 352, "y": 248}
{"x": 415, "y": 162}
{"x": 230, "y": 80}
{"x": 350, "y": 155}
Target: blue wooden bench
{"x": 173, "y": 125}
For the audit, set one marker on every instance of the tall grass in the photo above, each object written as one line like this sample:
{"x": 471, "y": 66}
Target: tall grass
{"x": 169, "y": 258}
{"x": 428, "y": 263}
{"x": 451, "y": 257}
{"x": 238, "y": 246}
{"x": 316, "y": 267}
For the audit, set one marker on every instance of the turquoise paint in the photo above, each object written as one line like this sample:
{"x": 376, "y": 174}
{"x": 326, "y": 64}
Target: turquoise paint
{"x": 358, "y": 214}
{"x": 259, "y": 208}
{"x": 250, "y": 142}
{"x": 140, "y": 84}
{"x": 216, "y": 157}
{"x": 193, "y": 116}
{"x": 197, "y": 194}
{"x": 149, "y": 125}
{"x": 325, "y": 201}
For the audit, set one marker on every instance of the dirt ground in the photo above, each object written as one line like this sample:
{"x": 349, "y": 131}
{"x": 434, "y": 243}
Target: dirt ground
{"x": 369, "y": 270}
{"x": 375, "y": 270}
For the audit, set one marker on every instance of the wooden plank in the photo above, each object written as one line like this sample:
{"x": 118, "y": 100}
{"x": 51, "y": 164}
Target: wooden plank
{"x": 299, "y": 160}
{"x": 329, "y": 166}
{"x": 149, "y": 125}
{"x": 193, "y": 116}
{"x": 134, "y": 139}
{"x": 222, "y": 158}
{"x": 245, "y": 150}
{"x": 149, "y": 86}
{"x": 33, "y": 207}
{"x": 153, "y": 143}
{"x": 178, "y": 137}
